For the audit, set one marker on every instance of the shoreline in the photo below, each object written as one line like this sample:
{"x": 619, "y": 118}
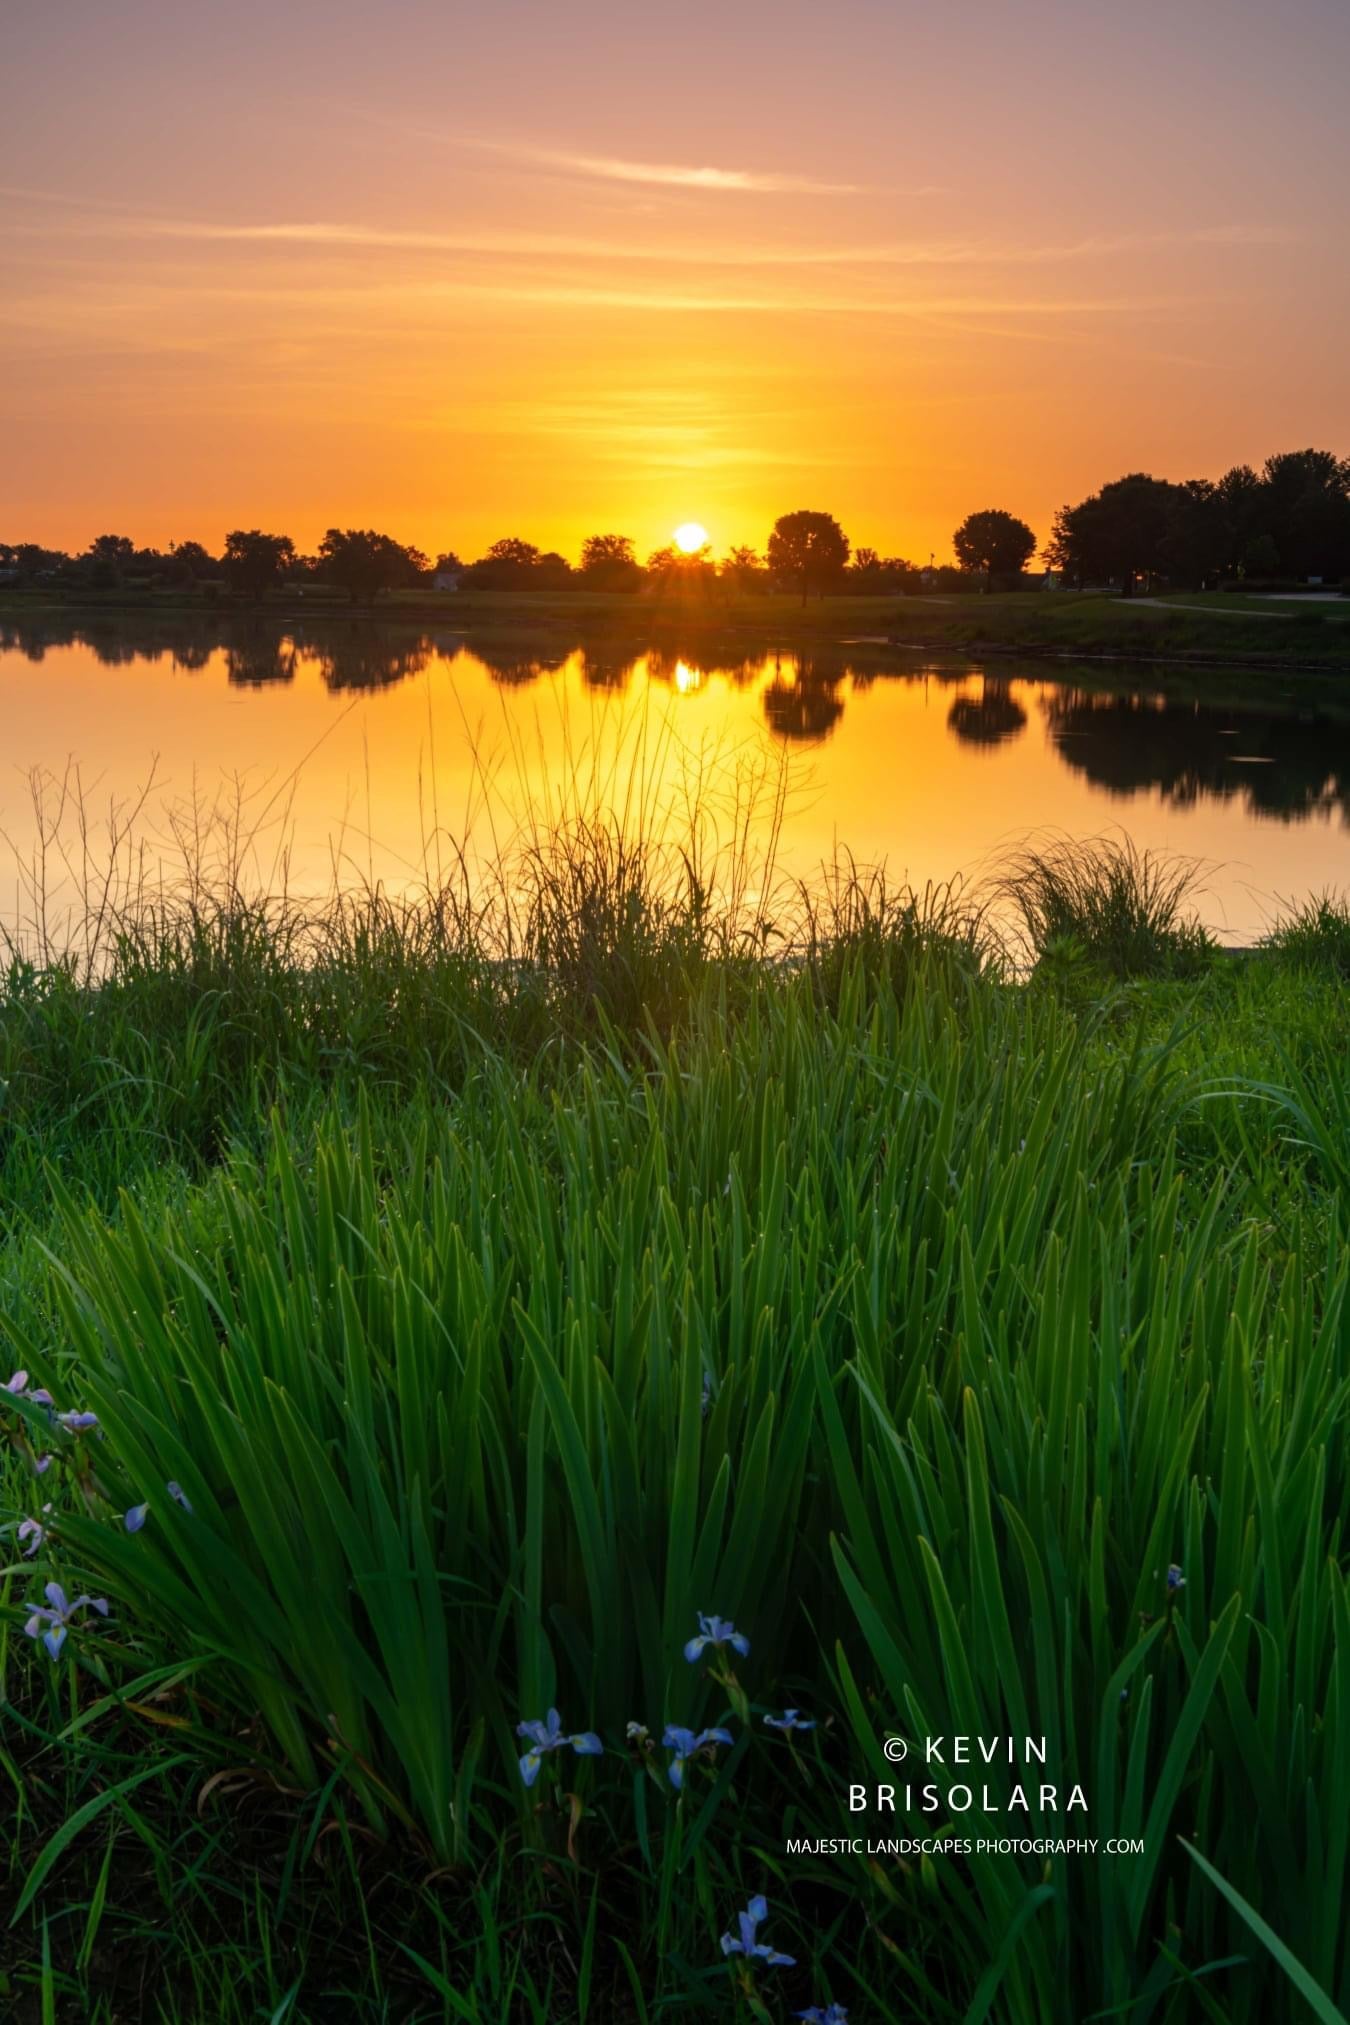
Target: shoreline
{"x": 1090, "y": 629}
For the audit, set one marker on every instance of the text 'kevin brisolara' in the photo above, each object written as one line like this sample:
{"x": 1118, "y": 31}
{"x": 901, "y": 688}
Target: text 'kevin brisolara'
{"x": 960, "y": 1799}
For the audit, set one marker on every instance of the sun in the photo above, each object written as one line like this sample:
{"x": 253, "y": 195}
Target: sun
{"x": 691, "y": 537}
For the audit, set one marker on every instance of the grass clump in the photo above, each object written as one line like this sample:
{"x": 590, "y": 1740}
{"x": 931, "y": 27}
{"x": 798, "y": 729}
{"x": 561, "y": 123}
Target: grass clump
{"x": 1104, "y": 899}
{"x": 1315, "y": 935}
{"x": 854, "y": 919}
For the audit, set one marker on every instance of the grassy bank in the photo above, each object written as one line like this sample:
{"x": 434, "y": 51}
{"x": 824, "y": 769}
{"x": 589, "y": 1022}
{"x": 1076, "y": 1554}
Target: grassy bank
{"x": 1230, "y": 630}
{"x": 972, "y": 1337}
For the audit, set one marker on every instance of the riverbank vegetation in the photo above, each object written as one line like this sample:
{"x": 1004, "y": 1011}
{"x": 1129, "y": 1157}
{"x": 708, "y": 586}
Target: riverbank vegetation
{"x": 751, "y": 1331}
{"x": 1228, "y": 634}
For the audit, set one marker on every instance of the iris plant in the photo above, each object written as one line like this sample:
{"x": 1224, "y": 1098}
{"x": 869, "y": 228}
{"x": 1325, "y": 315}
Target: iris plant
{"x": 686, "y": 1745}
{"x": 718, "y": 1632}
{"x": 550, "y": 1736}
{"x": 749, "y": 1922}
{"x": 58, "y": 1616}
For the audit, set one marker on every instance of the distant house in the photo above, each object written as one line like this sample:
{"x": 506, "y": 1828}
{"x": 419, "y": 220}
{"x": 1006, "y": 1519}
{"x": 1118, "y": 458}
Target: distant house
{"x": 445, "y": 580}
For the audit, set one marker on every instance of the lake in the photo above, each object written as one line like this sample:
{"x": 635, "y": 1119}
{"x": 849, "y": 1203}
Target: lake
{"x": 358, "y": 749}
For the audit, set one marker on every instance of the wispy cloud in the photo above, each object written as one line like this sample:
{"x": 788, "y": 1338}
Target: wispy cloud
{"x": 106, "y": 221}
{"x": 408, "y": 303}
{"x": 676, "y": 175}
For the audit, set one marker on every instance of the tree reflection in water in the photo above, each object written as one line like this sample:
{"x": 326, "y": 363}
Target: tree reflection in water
{"x": 257, "y": 661}
{"x": 515, "y": 667}
{"x": 1282, "y": 765}
{"x": 1280, "y": 761}
{"x": 804, "y": 705}
{"x": 992, "y": 718}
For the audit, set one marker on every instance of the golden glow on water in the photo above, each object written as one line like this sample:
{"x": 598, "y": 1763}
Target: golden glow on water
{"x": 363, "y": 753}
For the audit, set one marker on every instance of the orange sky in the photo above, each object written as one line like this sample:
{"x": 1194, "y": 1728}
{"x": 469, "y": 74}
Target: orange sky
{"x": 459, "y": 273}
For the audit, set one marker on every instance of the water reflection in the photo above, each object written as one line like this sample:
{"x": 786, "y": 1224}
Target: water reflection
{"x": 991, "y": 717}
{"x": 802, "y": 702}
{"x": 1271, "y": 756}
{"x": 1285, "y": 765}
{"x": 256, "y": 652}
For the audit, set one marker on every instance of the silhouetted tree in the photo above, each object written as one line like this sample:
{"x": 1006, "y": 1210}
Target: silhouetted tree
{"x": 1238, "y": 501}
{"x": 191, "y": 562}
{"x": 1305, "y": 509}
{"x": 1197, "y": 541}
{"x": 809, "y": 550}
{"x": 254, "y": 561}
{"x": 118, "y": 549}
{"x": 743, "y": 569}
{"x": 865, "y": 571}
{"x": 364, "y": 563}
{"x": 1261, "y": 557}
{"x": 1117, "y": 534}
{"x": 511, "y": 549}
{"x": 673, "y": 569}
{"x": 515, "y": 565}
{"x": 35, "y": 563}
{"x": 608, "y": 563}
{"x": 552, "y": 572}
{"x": 995, "y": 543}
{"x": 107, "y": 559}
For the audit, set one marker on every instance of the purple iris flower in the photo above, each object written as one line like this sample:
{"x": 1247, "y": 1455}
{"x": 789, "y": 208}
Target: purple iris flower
{"x": 749, "y": 1921}
{"x": 685, "y": 1745}
{"x": 17, "y": 1386}
{"x": 42, "y": 1463}
{"x": 791, "y": 1719}
{"x": 136, "y": 1518}
{"x": 550, "y": 1736}
{"x": 833, "y": 2014}
{"x": 1175, "y": 1578}
{"x": 75, "y": 1423}
{"x": 34, "y": 1530}
{"x": 59, "y": 1615}
{"x": 718, "y": 1632}
{"x": 179, "y": 1496}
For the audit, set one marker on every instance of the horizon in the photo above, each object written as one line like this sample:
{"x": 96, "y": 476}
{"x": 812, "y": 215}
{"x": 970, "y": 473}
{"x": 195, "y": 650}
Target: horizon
{"x": 712, "y": 550}
{"x": 461, "y": 277}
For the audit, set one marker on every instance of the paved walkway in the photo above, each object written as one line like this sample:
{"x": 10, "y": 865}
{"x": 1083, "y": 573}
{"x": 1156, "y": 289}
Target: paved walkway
{"x": 1210, "y": 611}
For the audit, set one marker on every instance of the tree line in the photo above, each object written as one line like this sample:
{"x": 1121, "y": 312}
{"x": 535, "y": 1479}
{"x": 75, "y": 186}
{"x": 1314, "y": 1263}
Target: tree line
{"x": 1287, "y": 523}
